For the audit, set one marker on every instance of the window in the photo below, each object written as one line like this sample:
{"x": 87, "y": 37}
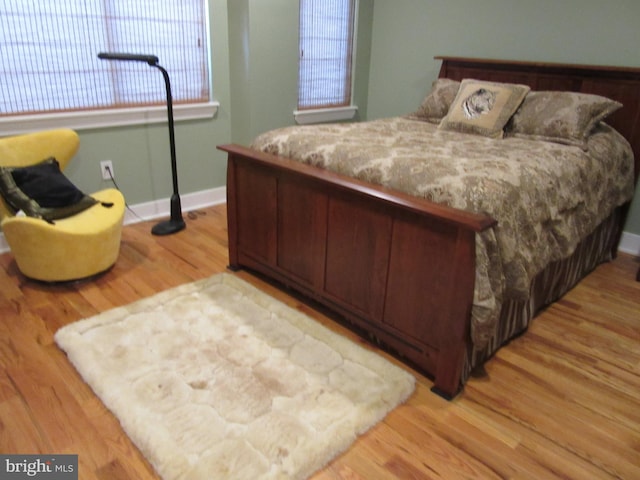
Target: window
{"x": 326, "y": 46}
{"x": 49, "y": 58}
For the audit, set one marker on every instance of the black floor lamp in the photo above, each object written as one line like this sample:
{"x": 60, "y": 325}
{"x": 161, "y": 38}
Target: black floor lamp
{"x": 175, "y": 222}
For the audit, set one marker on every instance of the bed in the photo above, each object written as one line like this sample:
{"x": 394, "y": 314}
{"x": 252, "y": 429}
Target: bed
{"x": 442, "y": 270}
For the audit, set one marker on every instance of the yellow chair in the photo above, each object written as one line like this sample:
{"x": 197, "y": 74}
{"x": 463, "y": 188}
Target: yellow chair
{"x": 71, "y": 248}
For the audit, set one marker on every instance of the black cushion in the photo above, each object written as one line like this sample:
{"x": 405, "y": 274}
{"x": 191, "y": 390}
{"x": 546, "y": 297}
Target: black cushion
{"x": 42, "y": 191}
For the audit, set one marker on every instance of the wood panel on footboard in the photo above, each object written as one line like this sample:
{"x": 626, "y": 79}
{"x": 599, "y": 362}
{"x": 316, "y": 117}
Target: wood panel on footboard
{"x": 398, "y": 267}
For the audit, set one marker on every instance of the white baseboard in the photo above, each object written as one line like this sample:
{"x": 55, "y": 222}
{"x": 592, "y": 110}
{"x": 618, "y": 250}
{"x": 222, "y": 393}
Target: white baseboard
{"x": 629, "y": 243}
{"x": 161, "y": 208}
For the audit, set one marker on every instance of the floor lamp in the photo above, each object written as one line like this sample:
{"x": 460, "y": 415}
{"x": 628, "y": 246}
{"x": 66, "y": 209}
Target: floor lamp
{"x": 175, "y": 222}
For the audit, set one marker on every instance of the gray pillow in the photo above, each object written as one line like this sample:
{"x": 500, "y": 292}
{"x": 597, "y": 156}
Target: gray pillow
{"x": 561, "y": 117}
{"x": 436, "y": 104}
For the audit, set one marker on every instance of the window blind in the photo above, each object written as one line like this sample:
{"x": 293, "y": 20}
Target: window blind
{"x": 326, "y": 39}
{"x": 49, "y": 54}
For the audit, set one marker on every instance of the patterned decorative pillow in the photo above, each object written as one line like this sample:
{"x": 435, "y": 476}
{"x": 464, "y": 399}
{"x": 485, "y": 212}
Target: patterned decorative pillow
{"x": 561, "y": 117}
{"x": 42, "y": 191}
{"x": 483, "y": 108}
{"x": 436, "y": 104}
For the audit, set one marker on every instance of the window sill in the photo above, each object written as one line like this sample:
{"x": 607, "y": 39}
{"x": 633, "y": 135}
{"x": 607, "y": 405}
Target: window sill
{"x": 306, "y": 117}
{"x": 105, "y": 118}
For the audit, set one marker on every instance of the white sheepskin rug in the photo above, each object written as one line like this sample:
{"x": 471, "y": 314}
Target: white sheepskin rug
{"x": 217, "y": 380}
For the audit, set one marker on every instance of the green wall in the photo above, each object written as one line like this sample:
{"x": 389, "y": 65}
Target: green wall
{"x": 140, "y": 154}
{"x": 263, "y": 41}
{"x": 255, "y": 73}
{"x": 254, "y": 62}
{"x": 407, "y": 34}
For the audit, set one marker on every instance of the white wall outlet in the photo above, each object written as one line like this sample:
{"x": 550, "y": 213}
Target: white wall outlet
{"x": 106, "y": 168}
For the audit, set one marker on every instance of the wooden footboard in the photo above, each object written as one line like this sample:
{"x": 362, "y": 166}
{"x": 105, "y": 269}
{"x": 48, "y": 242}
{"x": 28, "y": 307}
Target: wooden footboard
{"x": 397, "y": 267}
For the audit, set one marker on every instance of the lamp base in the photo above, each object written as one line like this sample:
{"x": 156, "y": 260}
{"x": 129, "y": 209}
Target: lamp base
{"x": 175, "y": 222}
{"x": 168, "y": 227}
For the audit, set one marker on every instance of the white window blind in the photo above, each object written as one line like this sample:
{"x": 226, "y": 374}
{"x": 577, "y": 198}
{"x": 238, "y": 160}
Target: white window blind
{"x": 326, "y": 44}
{"x": 48, "y": 60}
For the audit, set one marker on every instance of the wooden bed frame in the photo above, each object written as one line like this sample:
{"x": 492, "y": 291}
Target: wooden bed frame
{"x": 397, "y": 267}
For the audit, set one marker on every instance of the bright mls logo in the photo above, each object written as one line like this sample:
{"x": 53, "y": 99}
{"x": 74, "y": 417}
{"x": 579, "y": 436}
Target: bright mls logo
{"x": 50, "y": 467}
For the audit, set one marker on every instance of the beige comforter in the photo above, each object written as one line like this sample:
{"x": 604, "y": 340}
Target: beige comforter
{"x": 545, "y": 196}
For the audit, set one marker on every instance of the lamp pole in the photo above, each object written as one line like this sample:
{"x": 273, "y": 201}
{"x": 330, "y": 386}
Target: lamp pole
{"x": 175, "y": 222}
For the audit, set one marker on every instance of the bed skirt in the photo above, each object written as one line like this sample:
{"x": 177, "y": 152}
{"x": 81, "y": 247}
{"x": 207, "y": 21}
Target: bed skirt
{"x": 547, "y": 287}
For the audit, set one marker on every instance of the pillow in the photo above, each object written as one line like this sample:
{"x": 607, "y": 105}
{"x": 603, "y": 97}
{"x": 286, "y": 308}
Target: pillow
{"x": 561, "y": 117}
{"x": 436, "y": 104}
{"x": 42, "y": 191}
{"x": 483, "y": 108}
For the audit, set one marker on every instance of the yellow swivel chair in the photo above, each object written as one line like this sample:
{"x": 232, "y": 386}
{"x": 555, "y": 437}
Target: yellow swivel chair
{"x": 71, "y": 248}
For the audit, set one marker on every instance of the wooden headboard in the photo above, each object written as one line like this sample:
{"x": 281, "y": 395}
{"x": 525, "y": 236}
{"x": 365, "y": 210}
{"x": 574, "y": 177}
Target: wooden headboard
{"x": 618, "y": 83}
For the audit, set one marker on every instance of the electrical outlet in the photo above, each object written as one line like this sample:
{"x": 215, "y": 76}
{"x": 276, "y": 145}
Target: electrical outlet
{"x": 106, "y": 168}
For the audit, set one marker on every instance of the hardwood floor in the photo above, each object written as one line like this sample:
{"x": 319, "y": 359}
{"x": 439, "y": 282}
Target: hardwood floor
{"x": 561, "y": 401}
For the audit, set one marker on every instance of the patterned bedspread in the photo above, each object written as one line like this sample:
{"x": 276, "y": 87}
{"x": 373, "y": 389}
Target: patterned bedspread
{"x": 545, "y": 196}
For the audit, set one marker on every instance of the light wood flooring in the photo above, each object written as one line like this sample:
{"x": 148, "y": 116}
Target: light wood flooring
{"x": 561, "y": 401}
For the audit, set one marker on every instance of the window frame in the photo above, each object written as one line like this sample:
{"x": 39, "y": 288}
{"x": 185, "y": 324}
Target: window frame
{"x": 332, "y": 113}
{"x": 118, "y": 116}
{"x": 105, "y": 118}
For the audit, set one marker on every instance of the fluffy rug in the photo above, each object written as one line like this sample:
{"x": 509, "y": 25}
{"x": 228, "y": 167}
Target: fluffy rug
{"x": 217, "y": 380}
